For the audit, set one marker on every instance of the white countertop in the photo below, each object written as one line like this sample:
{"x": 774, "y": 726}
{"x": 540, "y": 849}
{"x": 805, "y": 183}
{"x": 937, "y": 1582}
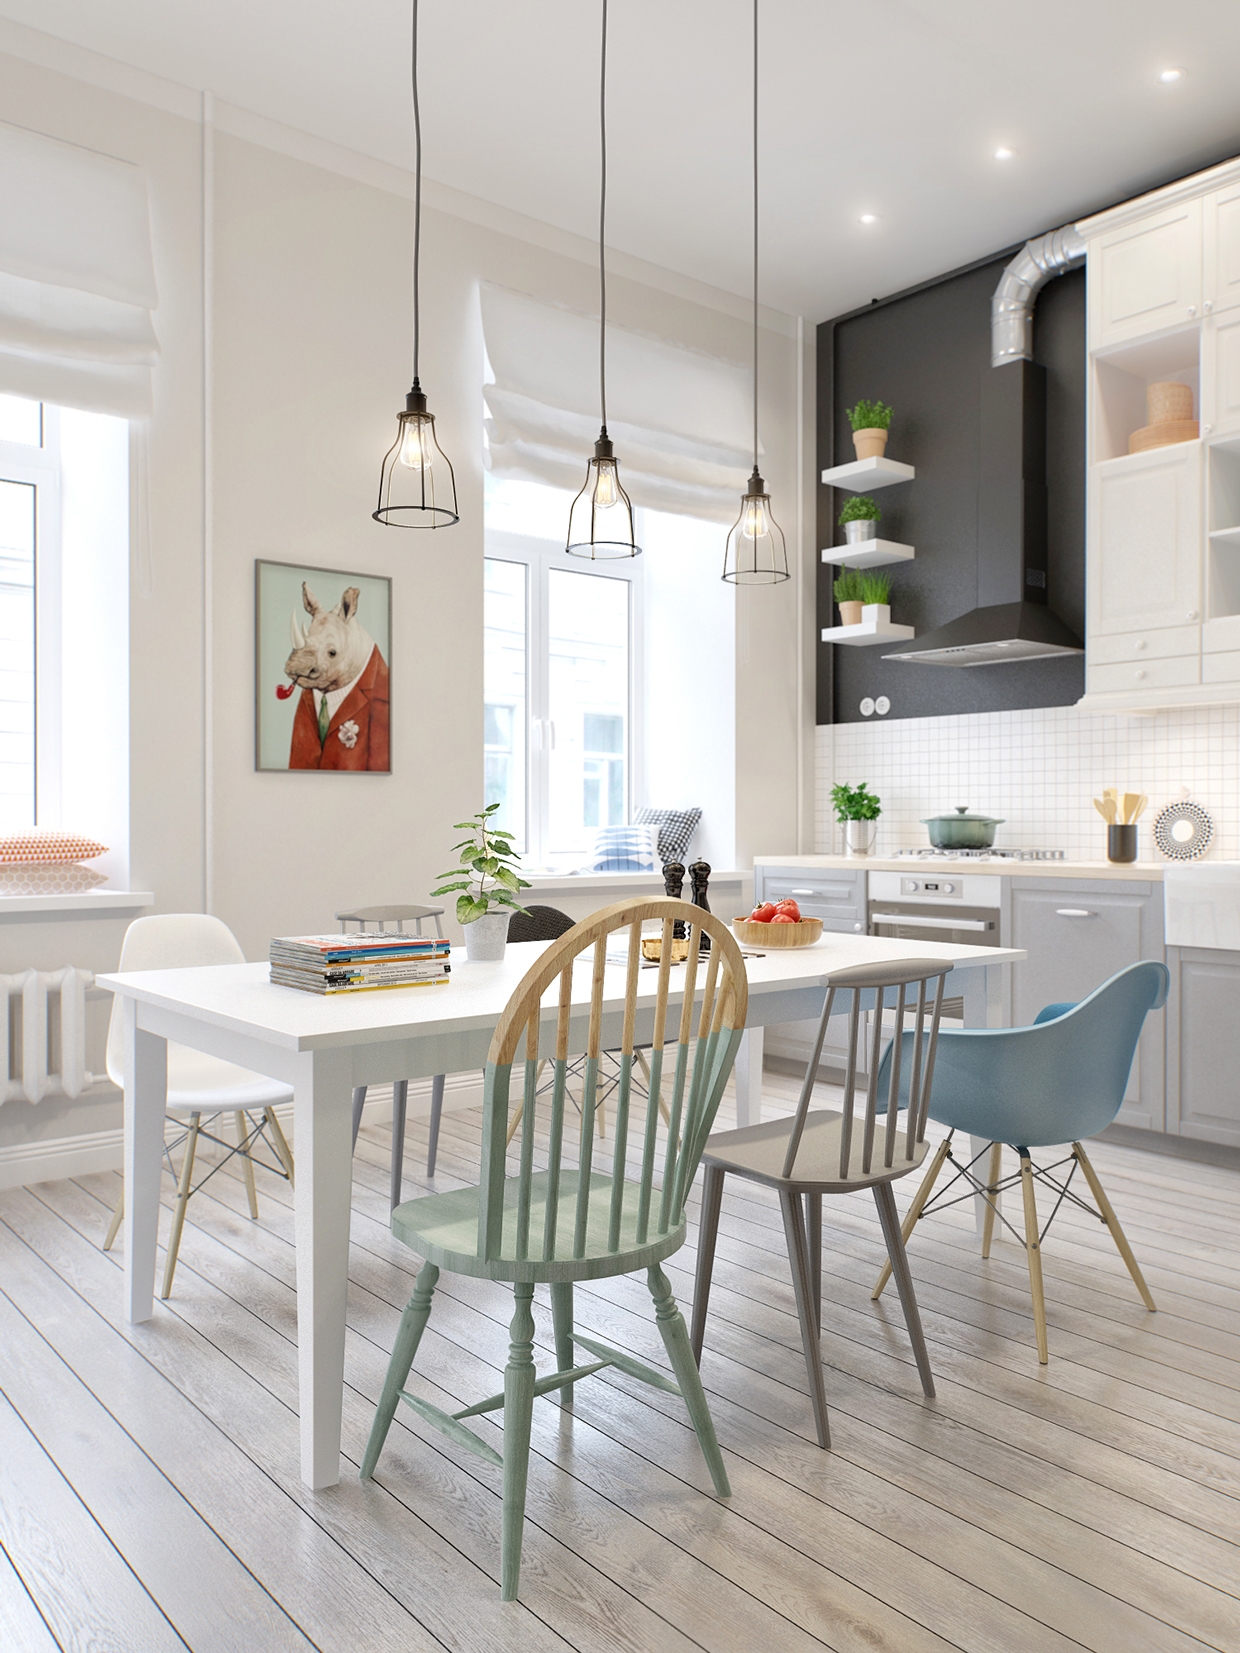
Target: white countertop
{"x": 1142, "y": 871}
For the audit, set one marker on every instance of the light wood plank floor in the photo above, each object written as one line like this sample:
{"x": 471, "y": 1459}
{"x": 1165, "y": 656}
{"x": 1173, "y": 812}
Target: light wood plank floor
{"x": 150, "y": 1500}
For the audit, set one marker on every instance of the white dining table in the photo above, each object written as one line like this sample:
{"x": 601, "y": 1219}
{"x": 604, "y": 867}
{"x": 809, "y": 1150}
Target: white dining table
{"x": 325, "y": 1047}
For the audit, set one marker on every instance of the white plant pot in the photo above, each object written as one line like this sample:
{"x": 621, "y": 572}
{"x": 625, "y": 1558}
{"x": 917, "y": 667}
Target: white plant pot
{"x": 864, "y": 528}
{"x": 486, "y": 937}
{"x": 875, "y": 614}
{"x": 859, "y": 837}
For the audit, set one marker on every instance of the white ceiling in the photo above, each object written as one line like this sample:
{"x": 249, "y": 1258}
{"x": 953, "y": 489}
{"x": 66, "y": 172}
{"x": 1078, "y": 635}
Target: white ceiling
{"x": 892, "y": 107}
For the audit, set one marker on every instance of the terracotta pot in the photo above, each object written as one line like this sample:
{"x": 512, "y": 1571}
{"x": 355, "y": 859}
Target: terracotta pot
{"x": 870, "y": 444}
{"x": 850, "y": 614}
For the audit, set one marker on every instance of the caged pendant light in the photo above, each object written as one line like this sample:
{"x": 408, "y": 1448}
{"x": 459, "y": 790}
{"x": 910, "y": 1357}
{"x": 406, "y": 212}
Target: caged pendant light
{"x": 600, "y": 524}
{"x": 417, "y": 488}
{"x": 755, "y": 553}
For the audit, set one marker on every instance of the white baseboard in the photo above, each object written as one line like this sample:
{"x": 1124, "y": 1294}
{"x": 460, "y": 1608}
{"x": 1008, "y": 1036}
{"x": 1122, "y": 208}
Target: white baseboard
{"x": 22, "y": 1163}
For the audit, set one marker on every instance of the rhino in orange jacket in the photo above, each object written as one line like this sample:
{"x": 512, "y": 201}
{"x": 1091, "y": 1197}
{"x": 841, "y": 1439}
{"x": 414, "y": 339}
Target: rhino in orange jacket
{"x": 335, "y": 657}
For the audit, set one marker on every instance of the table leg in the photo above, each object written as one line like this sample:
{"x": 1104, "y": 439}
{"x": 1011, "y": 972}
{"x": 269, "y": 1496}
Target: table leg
{"x": 748, "y": 1072}
{"x": 983, "y": 1007}
{"x": 323, "y": 1123}
{"x": 146, "y": 1101}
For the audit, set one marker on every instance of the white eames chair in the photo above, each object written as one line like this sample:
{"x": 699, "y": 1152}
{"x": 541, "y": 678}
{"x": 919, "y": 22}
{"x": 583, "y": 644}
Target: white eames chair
{"x": 200, "y": 1087}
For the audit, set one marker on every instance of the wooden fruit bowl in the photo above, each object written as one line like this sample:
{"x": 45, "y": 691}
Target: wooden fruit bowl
{"x": 754, "y": 934}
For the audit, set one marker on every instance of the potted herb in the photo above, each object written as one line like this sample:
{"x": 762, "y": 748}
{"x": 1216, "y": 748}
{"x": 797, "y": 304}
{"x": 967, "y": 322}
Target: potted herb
{"x": 857, "y": 810}
{"x": 870, "y": 422}
{"x": 875, "y": 591}
{"x": 859, "y": 519}
{"x": 487, "y": 880}
{"x": 848, "y": 595}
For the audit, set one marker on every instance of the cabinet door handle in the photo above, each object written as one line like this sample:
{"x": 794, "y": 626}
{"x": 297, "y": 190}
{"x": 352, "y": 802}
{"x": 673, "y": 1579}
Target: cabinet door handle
{"x": 1191, "y": 615}
{"x": 856, "y": 926}
{"x": 1192, "y": 309}
{"x": 1140, "y": 673}
{"x": 802, "y": 892}
{"x": 1074, "y": 912}
{"x": 1207, "y": 307}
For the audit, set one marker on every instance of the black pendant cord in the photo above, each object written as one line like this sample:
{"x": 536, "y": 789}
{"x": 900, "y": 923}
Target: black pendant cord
{"x": 417, "y": 193}
{"x": 602, "y": 223}
{"x": 755, "y": 235}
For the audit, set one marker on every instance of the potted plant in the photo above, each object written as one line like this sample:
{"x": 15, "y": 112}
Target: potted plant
{"x": 848, "y": 595}
{"x": 487, "y": 880}
{"x": 857, "y": 810}
{"x": 870, "y": 422}
{"x": 875, "y": 591}
{"x": 859, "y": 519}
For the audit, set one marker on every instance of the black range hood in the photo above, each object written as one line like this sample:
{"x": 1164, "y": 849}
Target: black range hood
{"x": 1012, "y": 620}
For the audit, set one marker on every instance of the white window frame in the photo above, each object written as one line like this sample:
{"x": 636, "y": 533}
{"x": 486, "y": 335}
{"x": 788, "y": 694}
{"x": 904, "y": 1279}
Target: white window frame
{"x": 40, "y": 466}
{"x": 540, "y": 557}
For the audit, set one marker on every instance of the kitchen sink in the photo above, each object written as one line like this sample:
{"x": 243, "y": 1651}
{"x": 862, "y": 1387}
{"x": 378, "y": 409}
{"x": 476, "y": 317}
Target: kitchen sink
{"x": 1202, "y": 904}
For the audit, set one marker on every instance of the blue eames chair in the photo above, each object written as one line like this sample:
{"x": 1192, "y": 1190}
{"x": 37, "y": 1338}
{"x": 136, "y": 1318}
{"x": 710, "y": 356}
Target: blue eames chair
{"x": 1060, "y": 1080}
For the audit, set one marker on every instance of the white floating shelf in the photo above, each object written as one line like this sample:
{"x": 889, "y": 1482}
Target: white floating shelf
{"x": 864, "y": 474}
{"x": 866, "y": 633}
{"x": 1226, "y": 535}
{"x": 872, "y": 553}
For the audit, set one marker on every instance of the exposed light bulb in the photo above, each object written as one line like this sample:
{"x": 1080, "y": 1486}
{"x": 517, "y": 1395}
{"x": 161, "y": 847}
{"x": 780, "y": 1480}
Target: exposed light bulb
{"x": 868, "y": 218}
{"x": 754, "y": 525}
{"x": 1003, "y": 154}
{"x": 1170, "y": 76}
{"x": 606, "y": 485}
{"x": 416, "y": 451}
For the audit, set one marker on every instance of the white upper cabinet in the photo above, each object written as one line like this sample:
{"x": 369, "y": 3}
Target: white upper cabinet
{"x": 1146, "y": 276}
{"x": 1144, "y": 565}
{"x": 1220, "y": 374}
{"x": 1221, "y": 250}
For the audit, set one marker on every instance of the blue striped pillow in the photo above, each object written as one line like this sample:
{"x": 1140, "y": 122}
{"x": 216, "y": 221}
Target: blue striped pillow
{"x": 625, "y": 849}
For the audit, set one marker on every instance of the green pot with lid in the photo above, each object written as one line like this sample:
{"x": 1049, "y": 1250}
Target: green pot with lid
{"x": 962, "y": 830}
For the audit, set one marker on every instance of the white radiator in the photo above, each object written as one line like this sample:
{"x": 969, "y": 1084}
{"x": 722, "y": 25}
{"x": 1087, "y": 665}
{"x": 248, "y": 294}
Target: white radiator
{"x": 42, "y": 1069}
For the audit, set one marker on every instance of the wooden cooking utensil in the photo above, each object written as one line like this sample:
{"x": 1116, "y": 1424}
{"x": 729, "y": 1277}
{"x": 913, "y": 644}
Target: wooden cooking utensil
{"x": 1131, "y": 800}
{"x": 1141, "y": 803}
{"x": 1102, "y": 810}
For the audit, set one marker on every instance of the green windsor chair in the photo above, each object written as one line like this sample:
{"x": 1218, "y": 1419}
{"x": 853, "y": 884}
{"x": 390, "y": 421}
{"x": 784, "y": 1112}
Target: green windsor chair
{"x": 570, "y": 1220}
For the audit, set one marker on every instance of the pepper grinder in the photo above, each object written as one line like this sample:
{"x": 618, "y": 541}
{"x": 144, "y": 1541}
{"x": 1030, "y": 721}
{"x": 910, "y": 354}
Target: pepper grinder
{"x": 673, "y": 885}
{"x": 699, "y": 872}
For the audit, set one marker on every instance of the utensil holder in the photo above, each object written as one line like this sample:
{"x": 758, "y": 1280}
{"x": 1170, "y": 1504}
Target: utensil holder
{"x": 1122, "y": 842}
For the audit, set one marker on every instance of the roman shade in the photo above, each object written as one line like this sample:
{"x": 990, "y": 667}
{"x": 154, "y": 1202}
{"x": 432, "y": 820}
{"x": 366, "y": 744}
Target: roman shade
{"x": 680, "y": 419}
{"x": 77, "y": 280}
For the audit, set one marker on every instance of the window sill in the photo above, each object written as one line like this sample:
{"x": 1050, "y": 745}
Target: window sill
{"x": 637, "y": 882}
{"x": 87, "y": 901}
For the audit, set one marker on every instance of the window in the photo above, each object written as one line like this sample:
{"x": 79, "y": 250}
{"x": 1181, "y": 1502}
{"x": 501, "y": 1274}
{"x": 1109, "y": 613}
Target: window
{"x": 562, "y": 647}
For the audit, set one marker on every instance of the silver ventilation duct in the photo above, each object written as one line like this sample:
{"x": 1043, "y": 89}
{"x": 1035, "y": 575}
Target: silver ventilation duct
{"x": 1012, "y": 621}
{"x": 1011, "y": 308}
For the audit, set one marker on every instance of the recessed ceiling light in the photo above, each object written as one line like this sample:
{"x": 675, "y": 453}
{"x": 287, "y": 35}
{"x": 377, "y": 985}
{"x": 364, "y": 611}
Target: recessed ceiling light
{"x": 1003, "y": 154}
{"x": 1170, "y": 76}
{"x": 868, "y": 218}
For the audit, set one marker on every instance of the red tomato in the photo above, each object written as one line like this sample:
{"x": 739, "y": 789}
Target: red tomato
{"x": 784, "y": 918}
{"x": 764, "y": 913}
{"x": 788, "y": 907}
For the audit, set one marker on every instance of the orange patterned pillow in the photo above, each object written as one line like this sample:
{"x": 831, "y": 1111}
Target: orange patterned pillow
{"x": 44, "y": 846}
{"x": 47, "y": 878}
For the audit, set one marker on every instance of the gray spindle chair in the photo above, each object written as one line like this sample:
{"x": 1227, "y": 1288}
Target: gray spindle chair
{"x": 810, "y": 1154}
{"x": 571, "y": 1221}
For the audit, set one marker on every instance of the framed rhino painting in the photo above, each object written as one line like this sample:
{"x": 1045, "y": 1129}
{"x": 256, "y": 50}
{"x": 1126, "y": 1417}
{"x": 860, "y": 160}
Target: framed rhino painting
{"x": 322, "y": 657}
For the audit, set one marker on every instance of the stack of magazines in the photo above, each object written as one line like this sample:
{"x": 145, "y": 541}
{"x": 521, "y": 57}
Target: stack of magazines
{"x": 358, "y": 962}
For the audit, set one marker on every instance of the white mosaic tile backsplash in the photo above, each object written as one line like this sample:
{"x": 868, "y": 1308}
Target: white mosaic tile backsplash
{"x": 1040, "y": 770}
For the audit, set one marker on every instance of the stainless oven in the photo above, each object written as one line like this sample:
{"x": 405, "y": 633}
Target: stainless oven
{"x": 959, "y": 909}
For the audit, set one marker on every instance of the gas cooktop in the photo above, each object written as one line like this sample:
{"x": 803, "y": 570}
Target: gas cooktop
{"x": 928, "y": 854}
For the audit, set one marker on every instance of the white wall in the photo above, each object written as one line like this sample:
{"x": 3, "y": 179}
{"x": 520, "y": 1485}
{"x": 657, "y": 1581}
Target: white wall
{"x": 286, "y": 385}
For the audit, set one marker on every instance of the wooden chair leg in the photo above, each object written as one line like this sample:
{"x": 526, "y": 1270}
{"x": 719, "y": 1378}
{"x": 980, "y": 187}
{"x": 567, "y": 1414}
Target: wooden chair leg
{"x": 281, "y": 1145}
{"x": 1112, "y": 1222}
{"x": 517, "y": 1115}
{"x": 890, "y": 1219}
{"x": 992, "y": 1181}
{"x": 1033, "y": 1250}
{"x": 813, "y": 1235}
{"x": 794, "y": 1233}
{"x": 400, "y": 1103}
{"x": 914, "y": 1211}
{"x": 672, "y": 1329}
{"x": 243, "y": 1131}
{"x": 118, "y": 1216}
{"x": 359, "y": 1102}
{"x": 562, "y": 1324}
{"x": 412, "y": 1325}
{"x": 432, "y": 1146}
{"x": 708, "y": 1229}
{"x": 178, "y": 1218}
{"x": 518, "y": 1416}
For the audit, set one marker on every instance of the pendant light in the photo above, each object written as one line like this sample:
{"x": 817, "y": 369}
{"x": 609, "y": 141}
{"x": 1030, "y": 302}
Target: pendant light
{"x": 417, "y": 488}
{"x": 600, "y": 524}
{"x": 755, "y": 554}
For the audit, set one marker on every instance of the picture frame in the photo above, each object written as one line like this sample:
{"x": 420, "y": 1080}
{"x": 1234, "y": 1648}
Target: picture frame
{"x": 322, "y": 669}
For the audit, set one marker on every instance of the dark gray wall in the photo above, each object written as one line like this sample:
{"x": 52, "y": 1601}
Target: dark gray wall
{"x": 924, "y": 354}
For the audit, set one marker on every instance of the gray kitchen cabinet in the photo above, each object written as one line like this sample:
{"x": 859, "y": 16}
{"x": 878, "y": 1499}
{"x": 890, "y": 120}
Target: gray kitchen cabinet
{"x": 838, "y": 898}
{"x": 1203, "y": 1016}
{"x": 1078, "y": 932}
